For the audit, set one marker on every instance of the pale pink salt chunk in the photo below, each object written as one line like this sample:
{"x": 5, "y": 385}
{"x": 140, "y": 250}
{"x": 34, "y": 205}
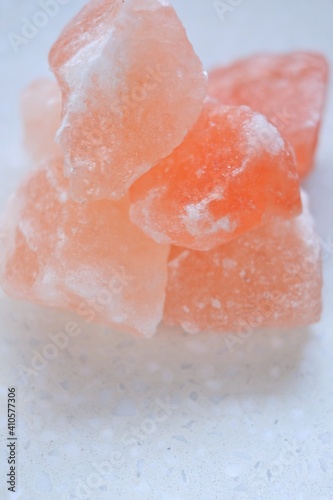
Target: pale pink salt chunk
{"x": 132, "y": 87}
{"x": 86, "y": 257}
{"x": 271, "y": 276}
{"x": 41, "y": 113}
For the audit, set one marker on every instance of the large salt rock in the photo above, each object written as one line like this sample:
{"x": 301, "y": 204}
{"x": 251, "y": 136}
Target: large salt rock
{"x": 232, "y": 173}
{"x": 289, "y": 89}
{"x": 41, "y": 113}
{"x": 271, "y": 276}
{"x": 85, "y": 257}
{"x": 132, "y": 88}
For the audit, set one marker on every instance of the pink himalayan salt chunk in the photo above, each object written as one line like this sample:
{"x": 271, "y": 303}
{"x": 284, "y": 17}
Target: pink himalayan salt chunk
{"x": 289, "y": 89}
{"x": 232, "y": 173}
{"x": 269, "y": 277}
{"x": 85, "y": 257}
{"x": 41, "y": 113}
{"x": 132, "y": 88}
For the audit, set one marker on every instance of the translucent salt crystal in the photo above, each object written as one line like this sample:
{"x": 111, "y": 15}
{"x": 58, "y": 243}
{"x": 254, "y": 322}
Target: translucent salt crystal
{"x": 232, "y": 173}
{"x": 41, "y": 113}
{"x": 132, "y": 88}
{"x": 289, "y": 89}
{"x": 85, "y": 257}
{"x": 271, "y": 276}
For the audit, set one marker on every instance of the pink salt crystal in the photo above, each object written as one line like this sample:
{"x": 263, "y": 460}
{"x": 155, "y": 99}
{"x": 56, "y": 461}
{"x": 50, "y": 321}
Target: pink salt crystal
{"x": 132, "y": 88}
{"x": 270, "y": 276}
{"x": 290, "y": 89}
{"x": 41, "y": 112}
{"x": 232, "y": 172}
{"x": 85, "y": 257}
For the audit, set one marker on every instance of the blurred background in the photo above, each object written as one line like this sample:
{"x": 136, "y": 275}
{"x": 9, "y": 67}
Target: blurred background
{"x": 178, "y": 417}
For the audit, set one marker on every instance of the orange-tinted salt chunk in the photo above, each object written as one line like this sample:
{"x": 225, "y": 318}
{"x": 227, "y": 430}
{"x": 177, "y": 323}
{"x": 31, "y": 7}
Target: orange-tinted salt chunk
{"x": 41, "y": 113}
{"x": 271, "y": 276}
{"x": 232, "y": 173}
{"x": 289, "y": 89}
{"x": 132, "y": 88}
{"x": 85, "y": 257}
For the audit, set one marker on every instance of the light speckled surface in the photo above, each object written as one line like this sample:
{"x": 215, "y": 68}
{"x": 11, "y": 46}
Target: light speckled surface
{"x": 178, "y": 417}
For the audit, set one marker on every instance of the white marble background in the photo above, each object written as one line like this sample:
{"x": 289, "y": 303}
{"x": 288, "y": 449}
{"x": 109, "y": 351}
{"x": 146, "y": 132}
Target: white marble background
{"x": 177, "y": 417}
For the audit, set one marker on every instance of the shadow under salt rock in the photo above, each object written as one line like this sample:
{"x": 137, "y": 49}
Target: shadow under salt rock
{"x": 111, "y": 374}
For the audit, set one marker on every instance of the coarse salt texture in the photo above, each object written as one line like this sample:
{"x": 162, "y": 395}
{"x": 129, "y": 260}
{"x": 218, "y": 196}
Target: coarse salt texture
{"x": 132, "y": 87}
{"x": 233, "y": 172}
{"x": 41, "y": 114}
{"x": 269, "y": 277}
{"x": 290, "y": 89}
{"x": 85, "y": 257}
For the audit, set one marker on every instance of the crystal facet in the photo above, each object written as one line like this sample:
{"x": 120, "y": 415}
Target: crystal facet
{"x": 289, "y": 89}
{"x": 270, "y": 276}
{"x": 132, "y": 88}
{"x": 86, "y": 257}
{"x": 232, "y": 173}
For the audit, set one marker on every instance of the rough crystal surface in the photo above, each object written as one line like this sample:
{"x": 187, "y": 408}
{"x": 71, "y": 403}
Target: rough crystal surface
{"x": 232, "y": 173}
{"x": 289, "y": 89}
{"x": 271, "y": 276}
{"x": 86, "y": 257}
{"x": 41, "y": 113}
{"x": 132, "y": 88}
